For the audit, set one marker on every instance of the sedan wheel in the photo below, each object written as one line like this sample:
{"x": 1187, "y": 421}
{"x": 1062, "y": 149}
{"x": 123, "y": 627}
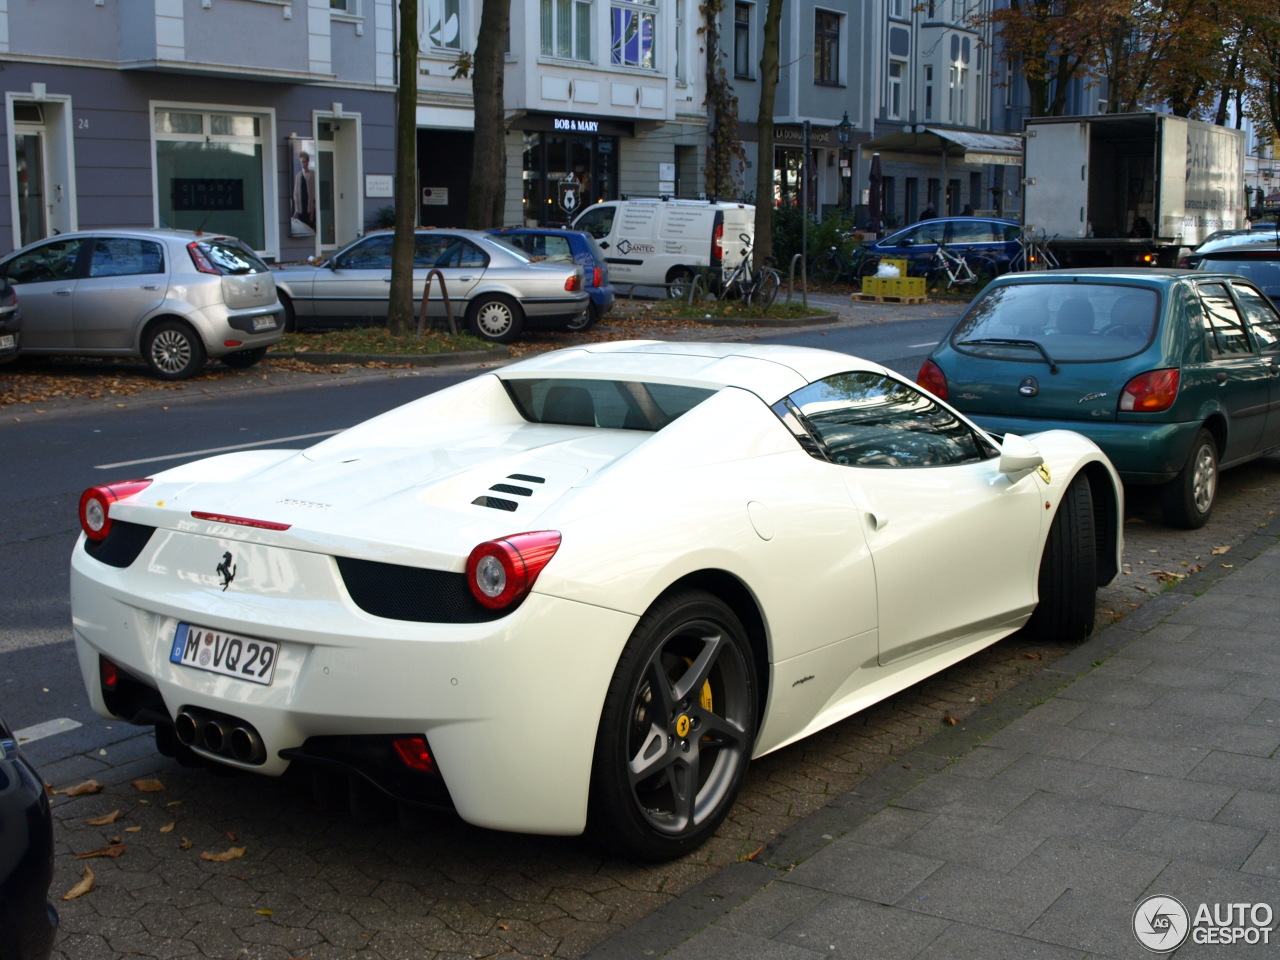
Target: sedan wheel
{"x": 497, "y": 319}
{"x": 173, "y": 351}
{"x": 1068, "y": 582}
{"x": 1188, "y": 498}
{"x": 677, "y": 730}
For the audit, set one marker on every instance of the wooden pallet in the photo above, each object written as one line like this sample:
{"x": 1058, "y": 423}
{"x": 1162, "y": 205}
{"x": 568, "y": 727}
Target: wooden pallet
{"x": 884, "y": 298}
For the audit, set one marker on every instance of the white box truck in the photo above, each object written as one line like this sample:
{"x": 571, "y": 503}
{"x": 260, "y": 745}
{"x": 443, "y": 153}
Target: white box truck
{"x": 1130, "y": 188}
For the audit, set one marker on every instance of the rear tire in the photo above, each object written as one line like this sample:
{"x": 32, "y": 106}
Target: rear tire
{"x": 677, "y": 730}
{"x": 678, "y": 283}
{"x": 583, "y": 322}
{"x": 290, "y": 317}
{"x": 1187, "y": 500}
{"x": 1068, "y": 582}
{"x": 173, "y": 350}
{"x": 496, "y": 318}
{"x": 767, "y": 292}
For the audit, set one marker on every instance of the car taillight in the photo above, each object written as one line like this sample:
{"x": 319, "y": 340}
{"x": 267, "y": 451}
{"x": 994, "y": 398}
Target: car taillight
{"x": 1150, "y": 392}
{"x": 574, "y": 283}
{"x": 501, "y": 572}
{"x": 933, "y": 379}
{"x": 415, "y": 754}
{"x": 597, "y": 277}
{"x": 109, "y": 673}
{"x": 95, "y": 505}
{"x": 201, "y": 261}
{"x": 717, "y": 247}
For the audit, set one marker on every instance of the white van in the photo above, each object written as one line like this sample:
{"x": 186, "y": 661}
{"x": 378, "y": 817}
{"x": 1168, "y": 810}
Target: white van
{"x": 663, "y": 240}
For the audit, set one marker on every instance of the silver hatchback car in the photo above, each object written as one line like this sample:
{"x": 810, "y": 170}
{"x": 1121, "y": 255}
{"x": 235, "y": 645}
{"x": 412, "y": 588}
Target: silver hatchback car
{"x": 497, "y": 288}
{"x": 171, "y": 297}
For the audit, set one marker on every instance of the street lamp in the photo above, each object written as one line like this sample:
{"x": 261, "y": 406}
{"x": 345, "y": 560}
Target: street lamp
{"x": 844, "y": 133}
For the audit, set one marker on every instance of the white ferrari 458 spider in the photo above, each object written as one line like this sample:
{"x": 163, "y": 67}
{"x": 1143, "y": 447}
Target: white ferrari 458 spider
{"x": 582, "y": 591}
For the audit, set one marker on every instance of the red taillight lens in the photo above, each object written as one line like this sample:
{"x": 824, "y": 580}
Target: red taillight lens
{"x": 201, "y": 261}
{"x": 574, "y": 283}
{"x": 932, "y": 379}
{"x": 597, "y": 277}
{"x": 109, "y": 673}
{"x": 1150, "y": 392}
{"x": 501, "y": 572}
{"x": 239, "y": 521}
{"x": 95, "y": 505}
{"x": 717, "y": 246}
{"x": 413, "y": 751}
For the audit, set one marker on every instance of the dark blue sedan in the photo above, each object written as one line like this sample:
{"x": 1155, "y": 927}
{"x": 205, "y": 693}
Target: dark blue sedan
{"x": 969, "y": 237}
{"x": 27, "y": 920}
{"x": 571, "y": 246}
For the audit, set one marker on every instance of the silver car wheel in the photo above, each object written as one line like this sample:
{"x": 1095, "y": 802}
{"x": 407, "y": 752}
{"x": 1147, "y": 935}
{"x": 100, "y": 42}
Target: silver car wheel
{"x": 1204, "y": 479}
{"x": 494, "y": 318}
{"x": 173, "y": 351}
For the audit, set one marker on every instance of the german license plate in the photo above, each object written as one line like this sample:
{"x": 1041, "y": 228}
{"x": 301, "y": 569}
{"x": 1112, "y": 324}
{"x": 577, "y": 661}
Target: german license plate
{"x": 7, "y": 342}
{"x": 264, "y": 323}
{"x": 225, "y": 653}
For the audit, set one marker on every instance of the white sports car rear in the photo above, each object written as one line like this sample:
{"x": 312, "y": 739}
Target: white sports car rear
{"x": 582, "y": 591}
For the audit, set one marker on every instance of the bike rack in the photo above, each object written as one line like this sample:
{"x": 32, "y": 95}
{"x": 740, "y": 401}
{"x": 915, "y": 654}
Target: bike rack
{"x": 804, "y": 279}
{"x": 448, "y": 305}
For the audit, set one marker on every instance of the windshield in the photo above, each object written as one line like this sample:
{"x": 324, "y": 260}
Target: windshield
{"x": 1069, "y": 322}
{"x": 620, "y": 404}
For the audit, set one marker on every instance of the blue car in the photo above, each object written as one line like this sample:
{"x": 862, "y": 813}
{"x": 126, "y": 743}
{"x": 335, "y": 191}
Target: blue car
{"x": 969, "y": 237}
{"x": 27, "y": 920}
{"x": 571, "y": 246}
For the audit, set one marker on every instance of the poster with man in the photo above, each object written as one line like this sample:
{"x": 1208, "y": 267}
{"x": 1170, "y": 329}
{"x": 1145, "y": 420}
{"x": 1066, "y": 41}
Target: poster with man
{"x": 302, "y": 215}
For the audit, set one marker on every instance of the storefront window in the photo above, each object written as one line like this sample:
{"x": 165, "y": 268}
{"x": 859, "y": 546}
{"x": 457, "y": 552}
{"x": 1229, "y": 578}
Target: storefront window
{"x": 788, "y": 178}
{"x": 565, "y": 174}
{"x": 209, "y": 173}
{"x": 631, "y": 30}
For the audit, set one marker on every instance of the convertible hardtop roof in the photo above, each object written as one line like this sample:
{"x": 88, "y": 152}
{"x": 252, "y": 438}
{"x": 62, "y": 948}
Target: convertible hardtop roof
{"x": 769, "y": 370}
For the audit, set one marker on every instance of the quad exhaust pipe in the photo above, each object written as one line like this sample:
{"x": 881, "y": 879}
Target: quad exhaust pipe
{"x": 220, "y": 734}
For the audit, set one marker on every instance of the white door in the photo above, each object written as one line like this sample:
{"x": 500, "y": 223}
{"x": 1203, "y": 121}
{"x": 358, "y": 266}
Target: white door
{"x": 32, "y": 179}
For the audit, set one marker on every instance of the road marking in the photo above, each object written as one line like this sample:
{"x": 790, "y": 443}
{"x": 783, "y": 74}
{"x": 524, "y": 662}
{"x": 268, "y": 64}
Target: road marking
{"x": 46, "y": 729}
{"x": 917, "y": 346}
{"x": 205, "y": 453}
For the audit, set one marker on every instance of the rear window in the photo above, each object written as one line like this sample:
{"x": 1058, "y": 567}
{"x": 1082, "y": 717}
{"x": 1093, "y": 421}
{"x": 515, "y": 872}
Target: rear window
{"x": 1069, "y": 322}
{"x": 1264, "y": 273}
{"x": 231, "y": 256}
{"x": 619, "y": 404}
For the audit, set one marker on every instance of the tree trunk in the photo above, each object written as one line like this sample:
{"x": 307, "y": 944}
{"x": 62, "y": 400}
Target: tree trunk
{"x": 486, "y": 205}
{"x": 764, "y": 130}
{"x": 400, "y": 303}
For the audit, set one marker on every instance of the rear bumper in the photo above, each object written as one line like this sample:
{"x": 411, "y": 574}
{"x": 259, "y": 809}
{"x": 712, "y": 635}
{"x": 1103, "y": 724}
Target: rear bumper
{"x": 1142, "y": 453}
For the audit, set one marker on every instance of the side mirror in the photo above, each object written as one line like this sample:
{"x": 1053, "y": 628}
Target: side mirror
{"x": 1018, "y": 457}
{"x": 906, "y": 242}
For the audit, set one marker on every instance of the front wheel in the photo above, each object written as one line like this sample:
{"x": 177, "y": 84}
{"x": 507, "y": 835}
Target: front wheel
{"x": 1068, "y": 581}
{"x": 496, "y": 318}
{"x": 767, "y": 291}
{"x": 678, "y": 284}
{"x": 677, "y": 730}
{"x": 828, "y": 268}
{"x": 1187, "y": 500}
{"x": 173, "y": 350}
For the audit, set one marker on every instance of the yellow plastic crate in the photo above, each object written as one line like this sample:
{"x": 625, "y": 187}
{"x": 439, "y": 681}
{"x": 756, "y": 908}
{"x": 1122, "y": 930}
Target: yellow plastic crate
{"x": 878, "y": 286}
{"x": 907, "y": 287}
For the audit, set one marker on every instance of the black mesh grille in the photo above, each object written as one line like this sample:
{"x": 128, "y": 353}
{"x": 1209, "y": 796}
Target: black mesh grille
{"x": 525, "y": 477}
{"x": 512, "y": 488}
{"x": 412, "y": 593}
{"x": 497, "y": 503}
{"x": 123, "y": 544}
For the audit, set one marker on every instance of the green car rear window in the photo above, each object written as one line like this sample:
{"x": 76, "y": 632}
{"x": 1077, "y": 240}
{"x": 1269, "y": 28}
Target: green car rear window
{"x": 1071, "y": 322}
{"x": 619, "y": 404}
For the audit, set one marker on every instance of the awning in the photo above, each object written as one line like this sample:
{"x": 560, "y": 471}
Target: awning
{"x": 965, "y": 146}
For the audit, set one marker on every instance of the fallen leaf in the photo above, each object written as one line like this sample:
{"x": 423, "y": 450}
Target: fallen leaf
{"x": 113, "y": 851}
{"x": 950, "y": 721}
{"x": 148, "y": 786}
{"x": 104, "y": 820}
{"x": 266, "y": 912}
{"x": 174, "y": 803}
{"x": 231, "y": 836}
{"x": 1028, "y": 655}
{"x": 81, "y": 789}
{"x": 186, "y": 844}
{"x": 234, "y": 853}
{"x": 1219, "y": 551}
{"x": 1166, "y": 576}
{"x": 168, "y": 828}
{"x": 132, "y": 829}
{"x": 81, "y": 888}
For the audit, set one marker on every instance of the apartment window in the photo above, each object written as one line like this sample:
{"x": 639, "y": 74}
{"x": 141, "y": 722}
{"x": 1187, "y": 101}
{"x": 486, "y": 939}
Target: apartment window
{"x": 826, "y": 47}
{"x": 342, "y": 6}
{"x": 444, "y": 24}
{"x": 742, "y": 62}
{"x": 897, "y": 8}
{"x": 566, "y": 29}
{"x": 209, "y": 172}
{"x": 896, "y": 69}
{"x": 632, "y": 34}
{"x": 959, "y": 94}
{"x": 928, "y": 92}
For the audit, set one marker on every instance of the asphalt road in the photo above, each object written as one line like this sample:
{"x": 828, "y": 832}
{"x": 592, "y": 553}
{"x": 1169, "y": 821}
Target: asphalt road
{"x": 332, "y": 887}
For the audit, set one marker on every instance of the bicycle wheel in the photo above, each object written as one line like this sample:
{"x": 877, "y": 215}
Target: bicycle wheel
{"x": 767, "y": 289}
{"x": 865, "y": 265}
{"x": 827, "y": 268}
{"x": 984, "y": 268}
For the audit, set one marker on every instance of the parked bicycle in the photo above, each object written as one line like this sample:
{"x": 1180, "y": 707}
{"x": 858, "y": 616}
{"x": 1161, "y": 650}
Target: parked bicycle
{"x": 832, "y": 266}
{"x": 960, "y": 271}
{"x": 758, "y": 287}
{"x": 1033, "y": 252}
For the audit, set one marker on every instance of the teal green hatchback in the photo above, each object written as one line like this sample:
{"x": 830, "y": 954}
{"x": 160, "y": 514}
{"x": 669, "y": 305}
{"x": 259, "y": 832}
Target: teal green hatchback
{"x": 1175, "y": 374}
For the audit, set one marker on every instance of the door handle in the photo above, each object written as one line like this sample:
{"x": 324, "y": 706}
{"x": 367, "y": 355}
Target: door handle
{"x": 1220, "y": 377}
{"x": 151, "y": 286}
{"x": 64, "y": 292}
{"x": 876, "y": 521}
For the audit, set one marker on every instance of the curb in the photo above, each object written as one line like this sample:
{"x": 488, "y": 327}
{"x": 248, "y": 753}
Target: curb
{"x": 411, "y": 360}
{"x": 669, "y": 926}
{"x": 814, "y": 320}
